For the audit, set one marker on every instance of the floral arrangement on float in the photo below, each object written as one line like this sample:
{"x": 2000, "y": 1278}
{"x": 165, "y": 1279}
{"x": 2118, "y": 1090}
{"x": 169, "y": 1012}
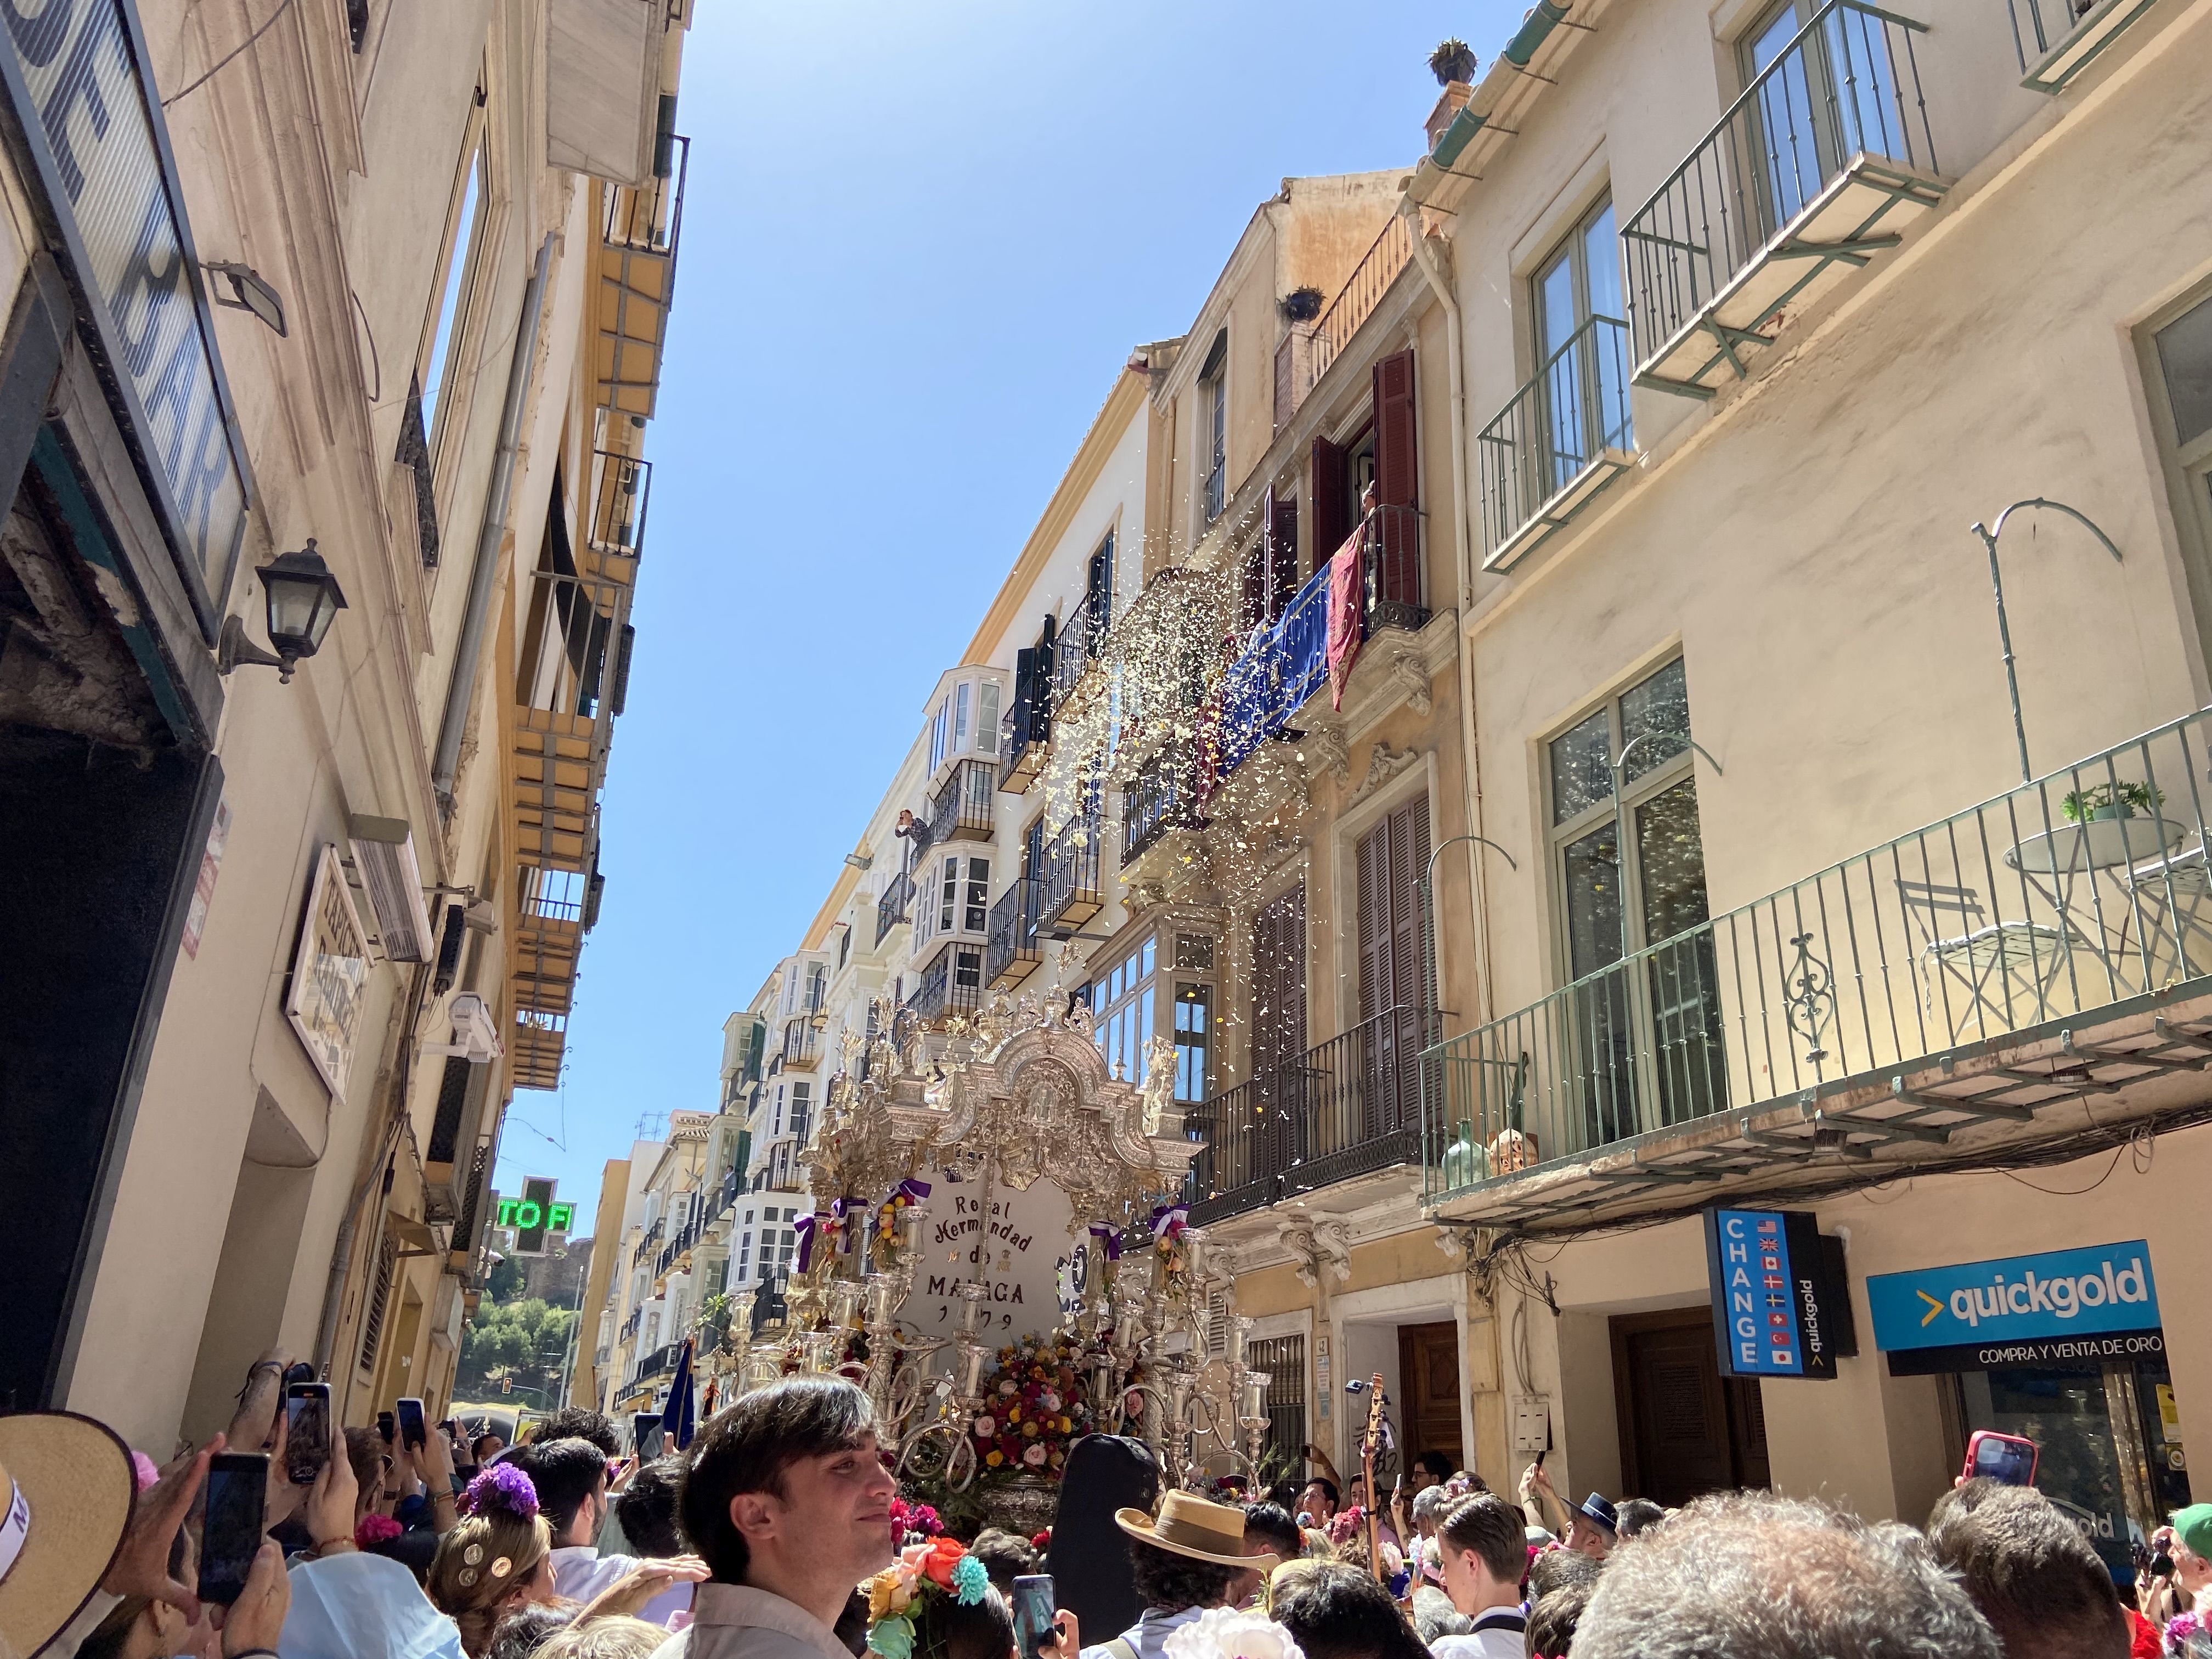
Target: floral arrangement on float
{"x": 1032, "y": 1408}
{"x": 1170, "y": 1222}
{"x": 897, "y": 1595}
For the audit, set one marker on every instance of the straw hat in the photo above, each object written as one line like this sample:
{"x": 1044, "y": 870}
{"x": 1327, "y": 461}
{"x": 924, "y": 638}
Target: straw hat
{"x": 66, "y": 1483}
{"x": 1191, "y": 1526}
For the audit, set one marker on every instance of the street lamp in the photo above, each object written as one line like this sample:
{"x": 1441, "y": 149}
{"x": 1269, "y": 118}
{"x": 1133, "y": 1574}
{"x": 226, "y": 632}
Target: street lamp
{"x": 301, "y": 598}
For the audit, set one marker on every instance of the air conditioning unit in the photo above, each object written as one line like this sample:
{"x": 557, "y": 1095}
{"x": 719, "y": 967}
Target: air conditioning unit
{"x": 475, "y": 1035}
{"x": 384, "y": 856}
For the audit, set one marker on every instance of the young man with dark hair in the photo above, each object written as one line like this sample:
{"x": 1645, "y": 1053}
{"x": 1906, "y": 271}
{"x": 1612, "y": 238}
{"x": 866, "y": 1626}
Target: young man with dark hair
{"x": 787, "y": 1498}
{"x": 1268, "y": 1531}
{"x": 571, "y": 1478}
{"x": 645, "y": 1514}
{"x": 2029, "y": 1571}
{"x": 1336, "y": 1611}
{"x": 1317, "y": 1502}
{"x": 1484, "y": 1542}
{"x": 1183, "y": 1563}
{"x": 577, "y": 1423}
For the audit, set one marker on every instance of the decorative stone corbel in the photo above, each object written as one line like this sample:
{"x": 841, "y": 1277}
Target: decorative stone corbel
{"x": 1325, "y": 751}
{"x": 1315, "y": 1245}
{"x": 1384, "y": 763}
{"x": 1408, "y": 669}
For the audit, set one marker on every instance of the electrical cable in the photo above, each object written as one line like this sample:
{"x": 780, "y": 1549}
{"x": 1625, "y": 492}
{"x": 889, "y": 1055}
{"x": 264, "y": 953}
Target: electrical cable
{"x": 237, "y": 51}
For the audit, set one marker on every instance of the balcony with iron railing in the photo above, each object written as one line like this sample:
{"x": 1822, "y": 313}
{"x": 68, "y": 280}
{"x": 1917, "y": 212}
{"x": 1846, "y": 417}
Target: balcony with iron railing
{"x": 1162, "y": 797}
{"x": 641, "y": 229}
{"x": 1349, "y": 1107}
{"x": 1285, "y": 662}
{"x": 645, "y": 1245}
{"x": 629, "y": 1325}
{"x": 1559, "y": 441}
{"x": 952, "y": 984}
{"x": 1014, "y": 949}
{"x": 1025, "y": 731}
{"x": 802, "y": 1044}
{"x": 2057, "y": 39}
{"x": 891, "y": 907}
{"x": 1353, "y": 304}
{"x": 1070, "y": 891}
{"x": 1944, "y": 997}
{"x": 1080, "y": 641}
{"x": 614, "y": 524}
{"x": 1825, "y": 160}
{"x": 964, "y": 807}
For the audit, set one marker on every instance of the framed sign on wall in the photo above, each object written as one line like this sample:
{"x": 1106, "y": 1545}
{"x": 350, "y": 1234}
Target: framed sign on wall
{"x": 329, "y": 973}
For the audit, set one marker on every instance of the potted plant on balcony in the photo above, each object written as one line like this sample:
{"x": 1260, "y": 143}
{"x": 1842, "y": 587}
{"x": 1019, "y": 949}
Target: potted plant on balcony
{"x": 1452, "y": 60}
{"x": 2111, "y": 800}
{"x": 1303, "y": 305}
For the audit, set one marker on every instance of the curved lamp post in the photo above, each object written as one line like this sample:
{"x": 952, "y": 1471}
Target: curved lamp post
{"x": 2004, "y": 629}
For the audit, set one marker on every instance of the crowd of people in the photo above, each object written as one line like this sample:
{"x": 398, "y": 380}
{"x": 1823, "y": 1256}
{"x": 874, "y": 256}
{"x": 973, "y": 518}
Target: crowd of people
{"x": 781, "y": 1533}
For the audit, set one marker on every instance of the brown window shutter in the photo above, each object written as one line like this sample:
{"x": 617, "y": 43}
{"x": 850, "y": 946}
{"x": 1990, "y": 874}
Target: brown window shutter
{"x": 379, "y": 1295}
{"x": 1282, "y": 544}
{"x": 1332, "y": 512}
{"x": 1395, "y": 469}
{"x": 1252, "y": 596}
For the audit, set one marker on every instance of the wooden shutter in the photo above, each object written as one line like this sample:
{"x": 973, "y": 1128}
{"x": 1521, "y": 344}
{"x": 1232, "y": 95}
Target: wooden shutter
{"x": 1279, "y": 982}
{"x": 379, "y": 1297}
{"x": 1397, "y": 480}
{"x": 1391, "y": 859}
{"x": 1099, "y": 593}
{"x": 1252, "y": 596}
{"x": 1332, "y": 512}
{"x": 1281, "y": 540}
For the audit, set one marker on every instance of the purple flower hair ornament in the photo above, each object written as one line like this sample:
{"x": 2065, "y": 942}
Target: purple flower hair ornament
{"x": 506, "y": 1487}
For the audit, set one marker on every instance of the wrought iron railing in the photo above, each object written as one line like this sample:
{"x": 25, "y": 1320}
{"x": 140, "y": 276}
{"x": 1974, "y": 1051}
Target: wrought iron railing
{"x": 800, "y": 1043}
{"x": 1013, "y": 942}
{"x": 1555, "y": 428}
{"x": 1163, "y": 795}
{"x": 1081, "y": 638}
{"x": 2085, "y": 28}
{"x": 1847, "y": 84}
{"x": 963, "y": 805}
{"x": 1070, "y": 888}
{"x": 648, "y": 218}
{"x": 1362, "y": 292}
{"x": 621, "y": 485}
{"x": 1348, "y": 1107}
{"x": 951, "y": 984}
{"x": 2081, "y": 890}
{"x": 891, "y": 907}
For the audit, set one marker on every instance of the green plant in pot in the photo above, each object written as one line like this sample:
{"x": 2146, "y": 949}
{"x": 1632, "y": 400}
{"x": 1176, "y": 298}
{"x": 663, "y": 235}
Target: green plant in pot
{"x": 2111, "y": 800}
{"x": 1303, "y": 305}
{"x": 1452, "y": 60}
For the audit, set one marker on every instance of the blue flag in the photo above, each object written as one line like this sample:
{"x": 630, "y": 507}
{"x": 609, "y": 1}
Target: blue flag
{"x": 675, "y": 1416}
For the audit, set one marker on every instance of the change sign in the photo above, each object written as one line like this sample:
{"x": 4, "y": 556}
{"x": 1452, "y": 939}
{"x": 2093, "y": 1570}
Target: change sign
{"x": 2056, "y": 1307}
{"x": 1781, "y": 1303}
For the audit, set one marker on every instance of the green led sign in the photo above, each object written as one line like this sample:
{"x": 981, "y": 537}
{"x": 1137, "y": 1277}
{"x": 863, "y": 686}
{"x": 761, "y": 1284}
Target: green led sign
{"x": 535, "y": 1214}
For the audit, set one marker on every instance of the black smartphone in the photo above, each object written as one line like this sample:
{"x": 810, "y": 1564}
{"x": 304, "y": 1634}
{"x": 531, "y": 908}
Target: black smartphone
{"x": 306, "y": 1432}
{"x": 237, "y": 1487}
{"x": 1539, "y": 1461}
{"x": 388, "y": 1425}
{"x": 2161, "y": 1565}
{"x": 413, "y": 1430}
{"x": 1034, "y": 1612}
{"x": 646, "y": 1431}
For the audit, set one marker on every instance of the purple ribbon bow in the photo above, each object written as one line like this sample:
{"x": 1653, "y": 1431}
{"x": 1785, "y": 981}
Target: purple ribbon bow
{"x": 839, "y": 1209}
{"x": 1113, "y": 1238}
{"x": 910, "y": 1188}
{"x": 1166, "y": 1216}
{"x": 803, "y": 1229}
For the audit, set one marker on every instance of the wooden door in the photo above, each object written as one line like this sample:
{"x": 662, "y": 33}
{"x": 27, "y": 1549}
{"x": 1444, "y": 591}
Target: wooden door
{"x": 1684, "y": 1429}
{"x": 1428, "y": 1384}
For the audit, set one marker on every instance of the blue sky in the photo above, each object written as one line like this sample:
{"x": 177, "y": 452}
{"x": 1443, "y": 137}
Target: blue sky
{"x": 919, "y": 241}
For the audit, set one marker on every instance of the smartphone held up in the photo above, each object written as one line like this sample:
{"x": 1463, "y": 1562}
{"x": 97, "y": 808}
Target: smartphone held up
{"x": 236, "y": 1491}
{"x": 306, "y": 1432}
{"x": 2009, "y": 1459}
{"x": 1034, "y": 1614}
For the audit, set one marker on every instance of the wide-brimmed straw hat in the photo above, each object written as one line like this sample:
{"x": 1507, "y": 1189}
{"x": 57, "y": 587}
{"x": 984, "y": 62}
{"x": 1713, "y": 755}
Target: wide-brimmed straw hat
{"x": 66, "y": 1486}
{"x": 1191, "y": 1526}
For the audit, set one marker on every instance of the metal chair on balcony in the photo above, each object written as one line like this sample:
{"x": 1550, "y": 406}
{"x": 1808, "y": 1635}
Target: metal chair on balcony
{"x": 2172, "y": 904}
{"x": 1992, "y": 964}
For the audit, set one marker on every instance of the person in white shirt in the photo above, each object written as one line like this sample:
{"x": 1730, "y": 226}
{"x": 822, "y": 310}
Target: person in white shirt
{"x": 1484, "y": 1542}
{"x": 1183, "y": 1563}
{"x": 571, "y": 1478}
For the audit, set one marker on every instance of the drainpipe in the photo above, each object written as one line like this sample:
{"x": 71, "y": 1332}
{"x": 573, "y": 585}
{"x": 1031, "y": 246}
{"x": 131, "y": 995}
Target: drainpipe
{"x": 470, "y": 651}
{"x": 1463, "y": 570}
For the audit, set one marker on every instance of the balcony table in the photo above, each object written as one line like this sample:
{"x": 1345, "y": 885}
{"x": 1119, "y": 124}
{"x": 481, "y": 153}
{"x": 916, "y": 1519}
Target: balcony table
{"x": 2053, "y": 861}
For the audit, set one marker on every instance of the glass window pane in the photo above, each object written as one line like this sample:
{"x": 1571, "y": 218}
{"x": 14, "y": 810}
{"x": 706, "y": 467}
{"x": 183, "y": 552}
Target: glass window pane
{"x": 2184, "y": 355}
{"x": 1601, "y": 259}
{"x": 449, "y": 302}
{"x": 960, "y": 717}
{"x": 1658, "y": 711}
{"x": 1147, "y": 953}
{"x": 1581, "y": 776}
{"x": 1555, "y": 298}
{"x": 1592, "y": 874}
{"x": 1670, "y": 861}
{"x": 986, "y": 720}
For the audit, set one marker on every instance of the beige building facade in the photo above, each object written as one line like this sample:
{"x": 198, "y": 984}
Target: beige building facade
{"x": 329, "y": 921}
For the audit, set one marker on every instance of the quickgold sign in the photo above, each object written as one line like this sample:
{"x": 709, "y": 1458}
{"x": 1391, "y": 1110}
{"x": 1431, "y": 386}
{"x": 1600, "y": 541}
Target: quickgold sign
{"x": 1781, "y": 1303}
{"x": 2060, "y": 1306}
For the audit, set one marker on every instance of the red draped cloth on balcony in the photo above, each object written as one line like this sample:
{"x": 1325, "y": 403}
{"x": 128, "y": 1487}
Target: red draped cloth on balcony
{"x": 1345, "y": 591}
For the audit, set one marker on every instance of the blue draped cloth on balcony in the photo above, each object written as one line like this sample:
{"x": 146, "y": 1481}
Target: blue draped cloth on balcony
{"x": 1283, "y": 663}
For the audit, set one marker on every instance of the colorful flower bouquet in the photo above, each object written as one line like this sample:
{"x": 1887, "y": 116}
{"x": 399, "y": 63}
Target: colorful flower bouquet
{"x": 1032, "y": 1409}
{"x": 935, "y": 1566}
{"x": 913, "y": 1523}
